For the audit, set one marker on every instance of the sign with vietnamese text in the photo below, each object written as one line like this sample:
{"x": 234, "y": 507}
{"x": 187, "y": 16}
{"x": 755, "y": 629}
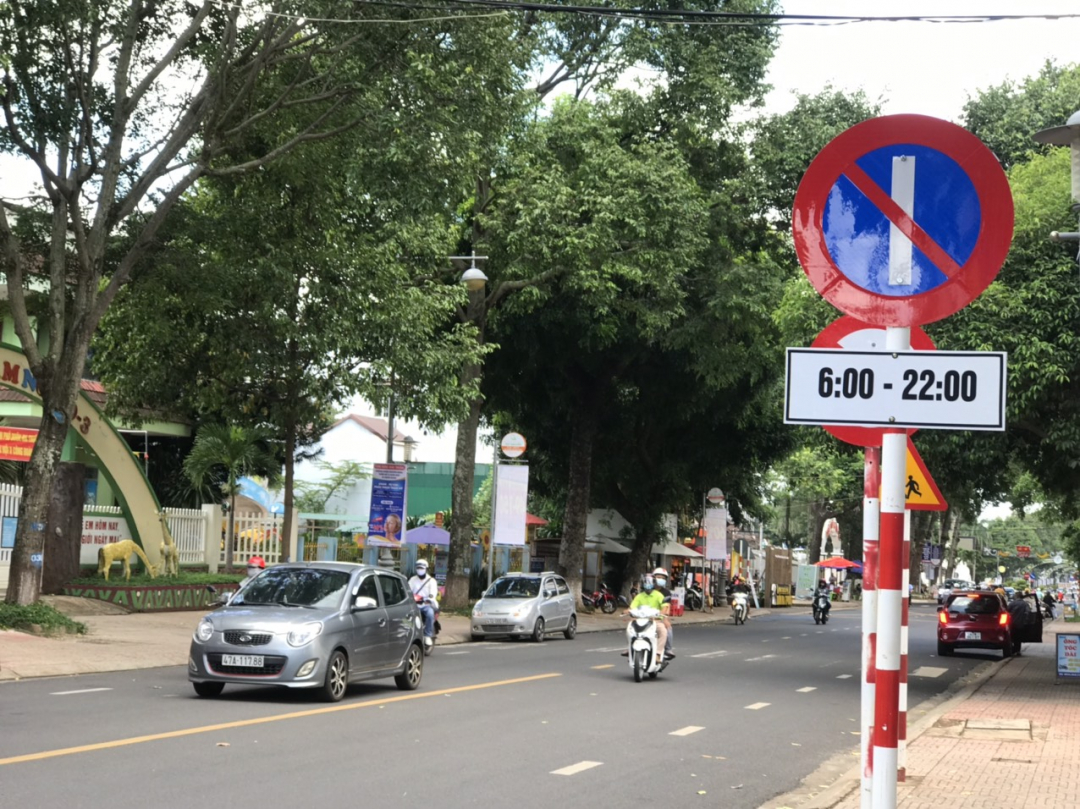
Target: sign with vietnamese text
{"x": 1068, "y": 655}
{"x": 512, "y": 496}
{"x": 16, "y": 444}
{"x": 1023, "y": 551}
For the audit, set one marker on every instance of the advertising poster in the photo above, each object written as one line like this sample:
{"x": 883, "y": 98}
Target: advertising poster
{"x": 1068, "y": 655}
{"x": 386, "y": 519}
{"x": 716, "y": 533}
{"x": 16, "y": 444}
{"x": 807, "y": 581}
{"x": 511, "y": 498}
{"x": 7, "y": 539}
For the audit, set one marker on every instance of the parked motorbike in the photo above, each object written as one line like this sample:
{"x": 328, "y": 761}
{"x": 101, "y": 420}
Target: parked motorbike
{"x": 428, "y": 647}
{"x": 602, "y": 599}
{"x": 740, "y": 607}
{"x": 642, "y": 640}
{"x": 695, "y": 598}
{"x": 821, "y": 608}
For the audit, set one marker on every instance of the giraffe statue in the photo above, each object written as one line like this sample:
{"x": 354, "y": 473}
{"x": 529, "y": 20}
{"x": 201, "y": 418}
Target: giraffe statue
{"x": 170, "y": 556}
{"x": 121, "y": 551}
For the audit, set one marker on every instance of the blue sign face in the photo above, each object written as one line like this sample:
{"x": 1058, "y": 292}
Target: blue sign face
{"x": 857, "y": 232}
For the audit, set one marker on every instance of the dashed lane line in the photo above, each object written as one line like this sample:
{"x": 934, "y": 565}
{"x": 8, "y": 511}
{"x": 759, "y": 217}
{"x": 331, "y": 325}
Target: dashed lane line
{"x": 757, "y": 706}
{"x": 80, "y": 691}
{"x": 843, "y": 676}
{"x": 807, "y": 689}
{"x": 717, "y": 653}
{"x": 574, "y": 769}
{"x": 686, "y": 731}
{"x": 605, "y": 666}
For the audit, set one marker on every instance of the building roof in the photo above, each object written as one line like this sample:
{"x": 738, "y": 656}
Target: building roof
{"x": 93, "y": 390}
{"x": 376, "y": 426}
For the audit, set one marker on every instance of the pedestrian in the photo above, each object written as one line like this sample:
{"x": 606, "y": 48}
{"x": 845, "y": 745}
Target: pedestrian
{"x": 255, "y": 566}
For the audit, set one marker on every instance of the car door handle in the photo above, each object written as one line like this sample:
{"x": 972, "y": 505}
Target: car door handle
{"x": 382, "y": 622}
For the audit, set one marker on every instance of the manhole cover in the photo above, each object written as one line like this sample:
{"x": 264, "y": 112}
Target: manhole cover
{"x": 1018, "y": 730}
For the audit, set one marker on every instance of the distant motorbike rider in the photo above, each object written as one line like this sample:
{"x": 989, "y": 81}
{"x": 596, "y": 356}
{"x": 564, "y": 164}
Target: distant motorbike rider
{"x": 425, "y": 591}
{"x": 823, "y": 590}
{"x": 660, "y": 576}
{"x": 651, "y": 597}
{"x": 739, "y": 585}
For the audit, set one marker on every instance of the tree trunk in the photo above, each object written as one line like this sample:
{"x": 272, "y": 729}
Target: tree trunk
{"x": 290, "y": 470}
{"x": 952, "y": 537}
{"x": 63, "y": 536}
{"x": 579, "y": 485}
{"x": 24, "y": 577}
{"x": 230, "y": 533}
{"x": 638, "y": 562}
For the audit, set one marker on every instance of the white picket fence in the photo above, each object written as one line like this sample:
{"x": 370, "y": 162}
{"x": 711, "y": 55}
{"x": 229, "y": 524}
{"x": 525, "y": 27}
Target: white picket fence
{"x": 256, "y": 534}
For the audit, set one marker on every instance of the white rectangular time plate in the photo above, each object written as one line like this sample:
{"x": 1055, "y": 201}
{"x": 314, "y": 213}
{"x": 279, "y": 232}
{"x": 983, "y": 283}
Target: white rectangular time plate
{"x": 944, "y": 390}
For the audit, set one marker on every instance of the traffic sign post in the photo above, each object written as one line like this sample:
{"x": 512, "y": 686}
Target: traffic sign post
{"x": 899, "y": 221}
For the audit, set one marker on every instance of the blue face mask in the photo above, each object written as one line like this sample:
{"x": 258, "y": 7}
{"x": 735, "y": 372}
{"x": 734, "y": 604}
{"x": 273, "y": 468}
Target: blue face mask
{"x": 648, "y": 586}
{"x": 421, "y": 572}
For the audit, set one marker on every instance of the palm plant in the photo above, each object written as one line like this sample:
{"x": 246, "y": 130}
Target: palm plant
{"x": 223, "y": 454}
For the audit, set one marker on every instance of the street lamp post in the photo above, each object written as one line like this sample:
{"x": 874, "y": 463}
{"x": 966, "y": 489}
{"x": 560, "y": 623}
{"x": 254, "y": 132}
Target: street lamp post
{"x": 1067, "y": 135}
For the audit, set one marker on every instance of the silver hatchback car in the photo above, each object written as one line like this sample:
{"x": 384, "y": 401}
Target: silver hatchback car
{"x": 525, "y": 605}
{"x": 317, "y": 625}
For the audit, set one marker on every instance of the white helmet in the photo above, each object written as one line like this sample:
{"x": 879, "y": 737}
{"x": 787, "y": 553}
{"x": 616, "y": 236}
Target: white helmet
{"x": 660, "y": 572}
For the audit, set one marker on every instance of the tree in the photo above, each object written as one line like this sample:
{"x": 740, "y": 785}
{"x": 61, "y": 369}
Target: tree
{"x": 313, "y": 496}
{"x": 123, "y": 107}
{"x": 221, "y": 456}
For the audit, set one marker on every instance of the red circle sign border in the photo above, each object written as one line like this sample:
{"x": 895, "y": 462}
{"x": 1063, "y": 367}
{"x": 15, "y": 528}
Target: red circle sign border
{"x": 830, "y": 337}
{"x": 991, "y": 248}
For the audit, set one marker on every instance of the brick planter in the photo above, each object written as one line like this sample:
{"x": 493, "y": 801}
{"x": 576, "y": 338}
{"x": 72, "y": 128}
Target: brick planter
{"x": 152, "y": 597}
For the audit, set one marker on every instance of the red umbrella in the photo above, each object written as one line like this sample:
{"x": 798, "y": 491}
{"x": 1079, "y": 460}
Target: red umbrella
{"x": 836, "y": 562}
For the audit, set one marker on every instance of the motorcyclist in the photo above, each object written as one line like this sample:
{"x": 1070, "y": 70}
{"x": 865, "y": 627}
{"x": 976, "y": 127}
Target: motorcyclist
{"x": 651, "y": 597}
{"x": 425, "y": 591}
{"x": 739, "y": 585}
{"x": 823, "y": 590}
{"x": 255, "y": 566}
{"x": 1048, "y": 602}
{"x": 660, "y": 576}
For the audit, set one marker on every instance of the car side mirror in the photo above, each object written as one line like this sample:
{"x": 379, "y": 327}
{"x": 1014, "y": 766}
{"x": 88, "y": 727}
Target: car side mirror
{"x": 365, "y": 603}
{"x": 223, "y": 599}
{"x": 549, "y": 593}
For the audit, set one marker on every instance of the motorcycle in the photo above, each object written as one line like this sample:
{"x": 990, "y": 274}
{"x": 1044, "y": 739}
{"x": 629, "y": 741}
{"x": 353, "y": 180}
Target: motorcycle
{"x": 428, "y": 647}
{"x": 821, "y": 608}
{"x": 602, "y": 599}
{"x": 642, "y": 640}
{"x": 695, "y": 598}
{"x": 740, "y": 607}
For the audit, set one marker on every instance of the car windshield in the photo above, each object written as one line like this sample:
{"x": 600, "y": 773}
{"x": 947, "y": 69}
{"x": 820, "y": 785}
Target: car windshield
{"x": 295, "y": 587}
{"x": 956, "y": 584}
{"x": 516, "y": 587}
{"x": 974, "y": 605}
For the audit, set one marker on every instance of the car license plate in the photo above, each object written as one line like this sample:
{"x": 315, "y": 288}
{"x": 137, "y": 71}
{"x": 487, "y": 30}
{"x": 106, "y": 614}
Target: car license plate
{"x": 973, "y": 636}
{"x": 247, "y": 661}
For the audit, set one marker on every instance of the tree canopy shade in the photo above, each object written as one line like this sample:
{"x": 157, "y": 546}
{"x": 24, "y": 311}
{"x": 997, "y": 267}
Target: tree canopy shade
{"x": 123, "y": 106}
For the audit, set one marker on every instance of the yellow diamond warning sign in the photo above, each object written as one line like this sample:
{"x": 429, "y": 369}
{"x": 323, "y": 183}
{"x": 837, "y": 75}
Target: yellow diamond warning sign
{"x": 921, "y": 493}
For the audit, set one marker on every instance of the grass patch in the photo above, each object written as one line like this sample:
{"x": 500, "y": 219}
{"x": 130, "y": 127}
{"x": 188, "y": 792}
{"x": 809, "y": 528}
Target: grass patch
{"x": 143, "y": 580}
{"x": 1072, "y": 619}
{"x": 40, "y": 619}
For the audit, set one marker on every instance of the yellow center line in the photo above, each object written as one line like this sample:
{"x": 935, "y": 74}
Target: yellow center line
{"x": 241, "y": 723}
{"x": 605, "y": 666}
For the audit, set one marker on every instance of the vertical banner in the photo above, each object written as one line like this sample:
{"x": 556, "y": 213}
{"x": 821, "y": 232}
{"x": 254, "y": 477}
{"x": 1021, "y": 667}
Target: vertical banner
{"x": 716, "y": 533}
{"x": 386, "y": 518}
{"x": 513, "y": 488}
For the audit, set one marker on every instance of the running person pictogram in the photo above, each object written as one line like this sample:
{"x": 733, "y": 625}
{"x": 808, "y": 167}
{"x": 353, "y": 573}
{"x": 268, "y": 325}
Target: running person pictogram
{"x": 911, "y": 488}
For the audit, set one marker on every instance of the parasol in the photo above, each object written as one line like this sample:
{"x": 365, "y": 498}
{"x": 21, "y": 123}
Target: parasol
{"x": 427, "y": 534}
{"x": 836, "y": 563}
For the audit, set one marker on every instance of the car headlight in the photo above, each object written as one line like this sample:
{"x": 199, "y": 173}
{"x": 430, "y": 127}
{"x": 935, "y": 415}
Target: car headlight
{"x": 478, "y": 611}
{"x": 204, "y": 631}
{"x": 304, "y": 634}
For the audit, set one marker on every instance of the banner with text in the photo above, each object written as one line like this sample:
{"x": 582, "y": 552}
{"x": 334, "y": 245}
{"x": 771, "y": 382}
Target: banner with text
{"x": 16, "y": 444}
{"x": 716, "y": 546}
{"x": 98, "y": 530}
{"x": 511, "y": 499}
{"x": 386, "y": 519}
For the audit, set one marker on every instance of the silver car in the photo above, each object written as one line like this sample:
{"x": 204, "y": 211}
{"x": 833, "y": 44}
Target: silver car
{"x": 317, "y": 625}
{"x": 525, "y": 605}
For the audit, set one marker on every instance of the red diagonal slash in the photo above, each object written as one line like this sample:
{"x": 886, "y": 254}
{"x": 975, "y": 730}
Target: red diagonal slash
{"x": 904, "y": 223}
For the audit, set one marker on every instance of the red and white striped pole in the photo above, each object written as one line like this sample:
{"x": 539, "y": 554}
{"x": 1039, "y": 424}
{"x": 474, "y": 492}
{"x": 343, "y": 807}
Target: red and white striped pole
{"x": 889, "y": 601}
{"x": 871, "y": 528}
{"x": 901, "y": 756}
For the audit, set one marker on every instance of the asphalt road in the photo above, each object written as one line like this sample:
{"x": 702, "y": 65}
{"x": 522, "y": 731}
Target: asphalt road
{"x": 743, "y": 714}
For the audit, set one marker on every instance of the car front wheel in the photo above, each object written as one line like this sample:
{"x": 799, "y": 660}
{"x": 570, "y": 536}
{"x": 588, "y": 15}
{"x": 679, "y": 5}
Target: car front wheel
{"x": 538, "y": 631}
{"x": 337, "y": 677}
{"x": 571, "y": 628}
{"x": 409, "y": 679}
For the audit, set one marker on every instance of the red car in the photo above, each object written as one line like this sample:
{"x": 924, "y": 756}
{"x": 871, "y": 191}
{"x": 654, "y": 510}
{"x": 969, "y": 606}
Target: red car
{"x": 975, "y": 620}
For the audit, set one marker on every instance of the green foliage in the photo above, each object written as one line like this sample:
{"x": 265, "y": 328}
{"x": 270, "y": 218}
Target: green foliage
{"x": 312, "y": 496}
{"x": 225, "y": 453}
{"x": 145, "y": 580}
{"x": 28, "y": 617}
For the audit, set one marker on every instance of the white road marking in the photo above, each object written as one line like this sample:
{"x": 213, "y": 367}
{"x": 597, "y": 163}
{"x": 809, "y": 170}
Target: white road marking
{"x": 455, "y": 653}
{"x": 718, "y": 653}
{"x": 574, "y": 769}
{"x": 928, "y": 671}
{"x": 806, "y": 690}
{"x": 605, "y": 666}
{"x": 757, "y": 706}
{"x": 80, "y": 691}
{"x": 686, "y": 731}
{"x": 607, "y": 649}
{"x": 755, "y": 659}
{"x": 803, "y": 635}
{"x": 786, "y": 637}
{"x": 843, "y": 676}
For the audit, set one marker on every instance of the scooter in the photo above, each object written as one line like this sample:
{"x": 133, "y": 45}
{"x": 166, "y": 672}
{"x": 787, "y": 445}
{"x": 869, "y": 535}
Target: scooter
{"x": 821, "y": 608}
{"x": 641, "y": 639}
{"x": 428, "y": 647}
{"x": 740, "y": 607}
{"x": 695, "y": 598}
{"x": 603, "y": 599}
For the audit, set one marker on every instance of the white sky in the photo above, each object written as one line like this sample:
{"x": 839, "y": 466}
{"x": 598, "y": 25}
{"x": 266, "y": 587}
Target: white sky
{"x": 919, "y": 67}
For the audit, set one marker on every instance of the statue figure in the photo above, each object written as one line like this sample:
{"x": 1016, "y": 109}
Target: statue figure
{"x": 830, "y": 531}
{"x": 170, "y": 555}
{"x": 122, "y": 550}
